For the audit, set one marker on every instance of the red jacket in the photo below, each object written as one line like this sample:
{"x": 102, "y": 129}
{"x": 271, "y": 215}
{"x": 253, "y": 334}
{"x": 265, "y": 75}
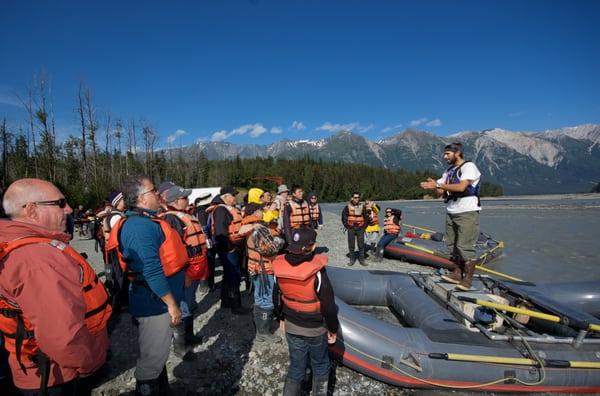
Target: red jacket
{"x": 45, "y": 283}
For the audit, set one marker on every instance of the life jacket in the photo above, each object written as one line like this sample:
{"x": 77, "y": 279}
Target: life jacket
{"x": 453, "y": 175}
{"x": 355, "y": 220}
{"x": 257, "y": 264}
{"x": 315, "y": 212}
{"x": 19, "y": 333}
{"x": 172, "y": 253}
{"x": 106, "y": 222}
{"x": 297, "y": 283}
{"x": 195, "y": 243}
{"x": 390, "y": 227}
{"x": 233, "y": 232}
{"x": 300, "y": 215}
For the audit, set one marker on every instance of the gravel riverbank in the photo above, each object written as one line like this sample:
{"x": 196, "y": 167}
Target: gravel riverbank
{"x": 229, "y": 361}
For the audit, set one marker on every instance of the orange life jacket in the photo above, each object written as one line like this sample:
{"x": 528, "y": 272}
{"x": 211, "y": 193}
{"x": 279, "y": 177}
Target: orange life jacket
{"x": 19, "y": 333}
{"x": 172, "y": 253}
{"x": 233, "y": 233}
{"x": 300, "y": 215}
{"x": 315, "y": 211}
{"x": 297, "y": 283}
{"x": 355, "y": 220}
{"x": 390, "y": 227}
{"x": 254, "y": 259}
{"x": 195, "y": 242}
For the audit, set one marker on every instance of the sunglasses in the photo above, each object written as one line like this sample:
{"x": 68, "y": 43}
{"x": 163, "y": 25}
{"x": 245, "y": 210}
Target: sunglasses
{"x": 61, "y": 203}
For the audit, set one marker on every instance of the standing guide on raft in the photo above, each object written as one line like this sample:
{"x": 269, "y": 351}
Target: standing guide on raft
{"x": 459, "y": 185}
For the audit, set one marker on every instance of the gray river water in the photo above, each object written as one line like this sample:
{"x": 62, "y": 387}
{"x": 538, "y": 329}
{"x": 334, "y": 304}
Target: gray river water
{"x": 548, "y": 239}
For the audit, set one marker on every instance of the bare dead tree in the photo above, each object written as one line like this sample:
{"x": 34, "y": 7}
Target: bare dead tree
{"x": 81, "y": 112}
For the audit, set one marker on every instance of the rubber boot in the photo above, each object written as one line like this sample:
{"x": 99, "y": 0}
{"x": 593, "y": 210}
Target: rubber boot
{"x": 190, "y": 337}
{"x": 456, "y": 276}
{"x": 179, "y": 347}
{"x": 147, "y": 388}
{"x": 262, "y": 321}
{"x": 236, "y": 303}
{"x": 465, "y": 284}
{"x": 319, "y": 386}
{"x": 361, "y": 258}
{"x": 352, "y": 259}
{"x": 379, "y": 255}
{"x": 292, "y": 387}
{"x": 163, "y": 383}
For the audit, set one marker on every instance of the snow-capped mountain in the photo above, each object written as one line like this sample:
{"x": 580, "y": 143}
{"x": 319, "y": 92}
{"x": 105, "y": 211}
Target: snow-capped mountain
{"x": 553, "y": 161}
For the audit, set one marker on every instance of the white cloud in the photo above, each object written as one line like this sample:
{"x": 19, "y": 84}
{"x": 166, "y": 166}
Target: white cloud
{"x": 218, "y": 136}
{"x": 254, "y": 130}
{"x": 418, "y": 122}
{"x": 353, "y": 126}
{"x": 174, "y": 136}
{"x": 298, "y": 126}
{"x": 391, "y": 128}
{"x": 276, "y": 130}
{"x": 434, "y": 123}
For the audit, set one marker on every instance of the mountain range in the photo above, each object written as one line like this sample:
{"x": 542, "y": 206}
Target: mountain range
{"x": 554, "y": 161}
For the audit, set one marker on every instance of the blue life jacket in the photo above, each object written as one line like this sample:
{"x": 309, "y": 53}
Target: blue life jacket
{"x": 453, "y": 175}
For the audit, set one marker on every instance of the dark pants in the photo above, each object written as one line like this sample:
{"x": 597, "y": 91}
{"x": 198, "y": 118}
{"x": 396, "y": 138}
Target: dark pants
{"x": 357, "y": 234}
{"x": 232, "y": 275}
{"x": 304, "y": 350}
{"x": 212, "y": 256}
{"x": 385, "y": 240}
{"x": 76, "y": 387}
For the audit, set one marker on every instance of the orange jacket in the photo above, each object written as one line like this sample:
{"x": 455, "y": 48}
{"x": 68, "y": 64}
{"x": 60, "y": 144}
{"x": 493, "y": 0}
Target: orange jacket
{"x": 195, "y": 241}
{"x": 297, "y": 283}
{"x": 300, "y": 215}
{"x": 172, "y": 253}
{"x": 355, "y": 220}
{"x": 54, "y": 294}
{"x": 390, "y": 227}
{"x": 234, "y": 226}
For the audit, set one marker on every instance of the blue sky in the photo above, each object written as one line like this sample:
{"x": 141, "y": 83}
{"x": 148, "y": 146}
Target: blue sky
{"x": 259, "y": 71}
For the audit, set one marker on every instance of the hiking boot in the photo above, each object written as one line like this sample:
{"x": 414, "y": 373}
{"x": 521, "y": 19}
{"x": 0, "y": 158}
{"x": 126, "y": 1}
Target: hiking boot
{"x": 465, "y": 284}
{"x": 352, "y": 259}
{"x": 361, "y": 258}
{"x": 456, "y": 276}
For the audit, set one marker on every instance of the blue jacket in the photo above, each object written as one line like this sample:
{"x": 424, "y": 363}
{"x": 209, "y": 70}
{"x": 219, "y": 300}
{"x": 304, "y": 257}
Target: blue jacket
{"x": 140, "y": 240}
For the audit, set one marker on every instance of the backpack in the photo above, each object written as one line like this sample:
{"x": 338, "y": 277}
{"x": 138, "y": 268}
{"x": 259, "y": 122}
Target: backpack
{"x": 265, "y": 243}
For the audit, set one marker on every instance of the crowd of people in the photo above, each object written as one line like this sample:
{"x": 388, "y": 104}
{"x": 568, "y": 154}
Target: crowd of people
{"x": 159, "y": 248}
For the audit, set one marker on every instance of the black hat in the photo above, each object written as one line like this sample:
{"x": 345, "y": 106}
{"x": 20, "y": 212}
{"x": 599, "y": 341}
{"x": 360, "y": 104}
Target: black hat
{"x": 228, "y": 190}
{"x": 302, "y": 241}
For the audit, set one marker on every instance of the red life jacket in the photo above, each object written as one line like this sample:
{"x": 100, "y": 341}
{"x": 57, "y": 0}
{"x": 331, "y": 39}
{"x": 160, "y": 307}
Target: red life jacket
{"x": 172, "y": 253}
{"x": 297, "y": 283}
{"x": 195, "y": 242}
{"x": 19, "y": 333}
{"x": 300, "y": 215}
{"x": 355, "y": 220}
{"x": 233, "y": 232}
{"x": 390, "y": 227}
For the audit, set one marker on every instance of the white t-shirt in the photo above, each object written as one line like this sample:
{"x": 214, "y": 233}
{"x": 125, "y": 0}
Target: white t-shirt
{"x": 470, "y": 172}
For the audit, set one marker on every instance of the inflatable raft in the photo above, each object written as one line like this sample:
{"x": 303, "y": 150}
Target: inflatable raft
{"x": 425, "y": 247}
{"x": 441, "y": 338}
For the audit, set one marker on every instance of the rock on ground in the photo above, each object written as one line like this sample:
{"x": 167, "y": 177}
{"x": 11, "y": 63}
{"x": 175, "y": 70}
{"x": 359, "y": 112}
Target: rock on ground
{"x": 230, "y": 360}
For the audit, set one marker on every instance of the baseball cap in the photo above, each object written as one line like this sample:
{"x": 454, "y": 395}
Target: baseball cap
{"x": 228, "y": 190}
{"x": 176, "y": 192}
{"x": 302, "y": 241}
{"x": 164, "y": 186}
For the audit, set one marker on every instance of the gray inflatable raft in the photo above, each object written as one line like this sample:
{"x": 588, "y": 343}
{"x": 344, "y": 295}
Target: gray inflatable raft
{"x": 445, "y": 339}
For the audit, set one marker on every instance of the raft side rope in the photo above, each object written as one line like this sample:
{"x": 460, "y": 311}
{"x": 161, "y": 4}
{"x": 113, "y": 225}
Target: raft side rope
{"x": 433, "y": 383}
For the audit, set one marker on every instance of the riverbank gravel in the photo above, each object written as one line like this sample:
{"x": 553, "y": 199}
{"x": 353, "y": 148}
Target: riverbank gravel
{"x": 230, "y": 361}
